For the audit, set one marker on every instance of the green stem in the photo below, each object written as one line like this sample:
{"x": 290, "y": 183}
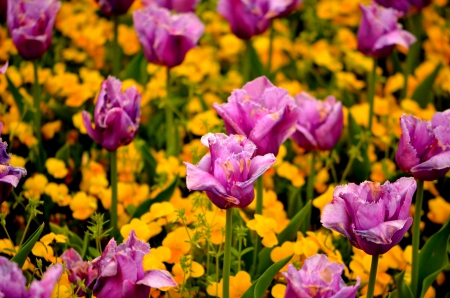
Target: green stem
{"x": 371, "y": 94}
{"x": 416, "y": 238}
{"x": 10, "y": 240}
{"x": 414, "y": 23}
{"x": 170, "y": 136}
{"x": 246, "y": 63}
{"x": 116, "y": 49}
{"x": 310, "y": 191}
{"x": 113, "y": 169}
{"x": 37, "y": 102}
{"x": 26, "y": 230}
{"x": 373, "y": 276}
{"x": 271, "y": 38}
{"x": 258, "y": 210}
{"x": 227, "y": 253}
{"x": 239, "y": 257}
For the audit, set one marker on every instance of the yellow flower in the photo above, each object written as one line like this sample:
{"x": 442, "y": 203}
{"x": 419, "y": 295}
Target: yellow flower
{"x": 156, "y": 257}
{"x": 35, "y": 186}
{"x": 43, "y": 250}
{"x": 265, "y": 227}
{"x": 83, "y": 205}
{"x": 348, "y": 81}
{"x": 292, "y": 173}
{"x": 77, "y": 120}
{"x": 239, "y": 284}
{"x": 59, "y": 193}
{"x": 49, "y": 238}
{"x": 56, "y": 168}
{"x": 382, "y": 170}
{"x": 278, "y": 291}
{"x": 178, "y": 242}
{"x": 140, "y": 228}
{"x": 128, "y": 40}
{"x": 439, "y": 210}
{"x": 49, "y": 129}
{"x": 63, "y": 289}
{"x": 324, "y": 198}
{"x": 203, "y": 123}
{"x": 17, "y": 161}
{"x": 305, "y": 246}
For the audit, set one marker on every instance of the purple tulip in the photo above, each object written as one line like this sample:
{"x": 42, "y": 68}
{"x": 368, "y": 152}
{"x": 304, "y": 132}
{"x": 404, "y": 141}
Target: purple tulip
{"x": 424, "y": 146}
{"x": 318, "y": 278}
{"x": 420, "y": 4}
{"x": 114, "y": 7}
{"x": 167, "y": 38}
{"x": 320, "y": 125}
{"x": 4, "y": 67}
{"x": 284, "y": 7}
{"x": 116, "y": 115}
{"x": 227, "y": 173}
{"x": 9, "y": 175}
{"x": 262, "y": 112}
{"x": 379, "y": 31}
{"x": 373, "y": 217}
{"x": 176, "y": 5}
{"x": 30, "y": 24}
{"x": 78, "y": 270}
{"x": 13, "y": 283}
{"x": 400, "y": 5}
{"x": 121, "y": 273}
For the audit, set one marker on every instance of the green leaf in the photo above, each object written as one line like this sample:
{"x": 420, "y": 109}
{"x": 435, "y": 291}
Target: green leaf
{"x": 424, "y": 92}
{"x": 62, "y": 111}
{"x": 433, "y": 258}
{"x": 260, "y": 286}
{"x": 289, "y": 233}
{"x": 149, "y": 160}
{"x": 93, "y": 252}
{"x": 25, "y": 249}
{"x": 403, "y": 290}
{"x": 360, "y": 168}
{"x": 163, "y": 196}
{"x": 63, "y": 153}
{"x": 257, "y": 68}
{"x": 74, "y": 240}
{"x": 248, "y": 249}
{"x": 22, "y": 105}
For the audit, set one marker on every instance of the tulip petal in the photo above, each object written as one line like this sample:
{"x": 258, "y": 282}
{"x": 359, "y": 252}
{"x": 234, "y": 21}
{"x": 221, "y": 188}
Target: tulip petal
{"x": 157, "y": 279}
{"x": 44, "y": 287}
{"x": 120, "y": 129}
{"x": 382, "y": 233}
{"x": 335, "y": 217}
{"x": 397, "y": 37}
{"x": 197, "y": 179}
{"x": 93, "y": 133}
{"x": 437, "y": 162}
{"x": 3, "y": 68}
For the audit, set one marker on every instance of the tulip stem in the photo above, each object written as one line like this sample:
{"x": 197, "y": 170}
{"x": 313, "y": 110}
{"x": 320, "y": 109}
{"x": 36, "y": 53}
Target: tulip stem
{"x": 416, "y": 238}
{"x": 116, "y": 50}
{"x": 38, "y": 117}
{"x": 269, "y": 58}
{"x": 373, "y": 276}
{"x": 310, "y": 191}
{"x": 227, "y": 253}
{"x": 412, "y": 58}
{"x": 113, "y": 169}
{"x": 247, "y": 64}
{"x": 170, "y": 134}
{"x": 258, "y": 210}
{"x": 371, "y": 94}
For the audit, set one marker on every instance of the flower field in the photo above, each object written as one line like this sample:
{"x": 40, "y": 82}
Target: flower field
{"x": 224, "y": 148}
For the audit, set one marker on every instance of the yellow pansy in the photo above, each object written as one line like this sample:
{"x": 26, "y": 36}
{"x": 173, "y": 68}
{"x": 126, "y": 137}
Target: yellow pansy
{"x": 56, "y": 168}
{"x": 239, "y": 284}
{"x": 49, "y": 129}
{"x": 59, "y": 193}
{"x": 140, "y": 228}
{"x": 83, "y": 205}
{"x": 156, "y": 258}
{"x": 77, "y": 120}
{"x": 204, "y": 122}
{"x": 439, "y": 210}
{"x": 178, "y": 242}
{"x": 265, "y": 227}
{"x": 35, "y": 186}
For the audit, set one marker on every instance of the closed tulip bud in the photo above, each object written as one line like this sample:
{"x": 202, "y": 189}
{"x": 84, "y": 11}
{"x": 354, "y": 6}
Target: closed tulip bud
{"x": 320, "y": 124}
{"x": 167, "y": 38}
{"x": 424, "y": 146}
{"x": 228, "y": 172}
{"x": 373, "y": 217}
{"x": 116, "y": 115}
{"x": 30, "y": 24}
{"x": 379, "y": 32}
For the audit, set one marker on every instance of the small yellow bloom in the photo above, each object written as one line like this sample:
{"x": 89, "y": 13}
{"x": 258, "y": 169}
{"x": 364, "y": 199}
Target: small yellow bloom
{"x": 49, "y": 129}
{"x": 178, "y": 242}
{"x": 35, "y": 186}
{"x": 77, "y": 120}
{"x": 17, "y": 161}
{"x": 204, "y": 122}
{"x": 59, "y": 193}
{"x": 156, "y": 257}
{"x": 265, "y": 227}
{"x": 56, "y": 168}
{"x": 239, "y": 284}
{"x": 278, "y": 291}
{"x": 83, "y": 205}
{"x": 49, "y": 238}
{"x": 140, "y": 228}
{"x": 324, "y": 198}
{"x": 292, "y": 173}
{"x": 439, "y": 210}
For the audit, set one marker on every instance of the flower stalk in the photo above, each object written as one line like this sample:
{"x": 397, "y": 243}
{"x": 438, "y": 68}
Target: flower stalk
{"x": 116, "y": 49}
{"x": 271, "y": 38}
{"x": 373, "y": 276}
{"x": 416, "y": 237}
{"x": 170, "y": 136}
{"x": 114, "y": 200}
{"x": 371, "y": 94}
{"x": 227, "y": 253}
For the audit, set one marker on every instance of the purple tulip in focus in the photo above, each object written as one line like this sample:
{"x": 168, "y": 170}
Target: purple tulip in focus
{"x": 167, "y": 38}
{"x": 227, "y": 173}
{"x": 78, "y": 270}
{"x": 379, "y": 32}
{"x": 176, "y": 5}
{"x": 318, "y": 278}
{"x": 424, "y": 146}
{"x": 399, "y": 5}
{"x": 114, "y": 7}
{"x": 262, "y": 112}
{"x": 30, "y": 24}
{"x": 373, "y": 217}
{"x": 116, "y": 115}
{"x": 9, "y": 175}
{"x": 13, "y": 283}
{"x": 121, "y": 273}
{"x": 320, "y": 125}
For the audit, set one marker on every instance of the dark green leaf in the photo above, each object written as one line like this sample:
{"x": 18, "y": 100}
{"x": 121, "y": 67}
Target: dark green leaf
{"x": 74, "y": 240}
{"x": 63, "y": 153}
{"x": 22, "y": 105}
{"x": 149, "y": 160}
{"x": 163, "y": 196}
{"x": 424, "y": 92}
{"x": 403, "y": 290}
{"x": 134, "y": 68}
{"x": 360, "y": 168}
{"x": 257, "y": 68}
{"x": 263, "y": 283}
{"x": 25, "y": 249}
{"x": 433, "y": 258}
{"x": 62, "y": 111}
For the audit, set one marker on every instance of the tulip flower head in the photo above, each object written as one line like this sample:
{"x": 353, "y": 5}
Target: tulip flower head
{"x": 114, "y": 7}
{"x": 13, "y": 282}
{"x": 116, "y": 115}
{"x": 78, "y": 270}
{"x": 9, "y": 175}
{"x": 379, "y": 32}
{"x": 399, "y": 5}
{"x": 228, "y": 172}
{"x": 424, "y": 146}
{"x": 318, "y": 278}
{"x": 121, "y": 273}
{"x": 320, "y": 126}
{"x": 265, "y": 114}
{"x": 167, "y": 38}
{"x": 373, "y": 217}
{"x": 30, "y": 23}
{"x": 250, "y": 18}
{"x": 176, "y": 5}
